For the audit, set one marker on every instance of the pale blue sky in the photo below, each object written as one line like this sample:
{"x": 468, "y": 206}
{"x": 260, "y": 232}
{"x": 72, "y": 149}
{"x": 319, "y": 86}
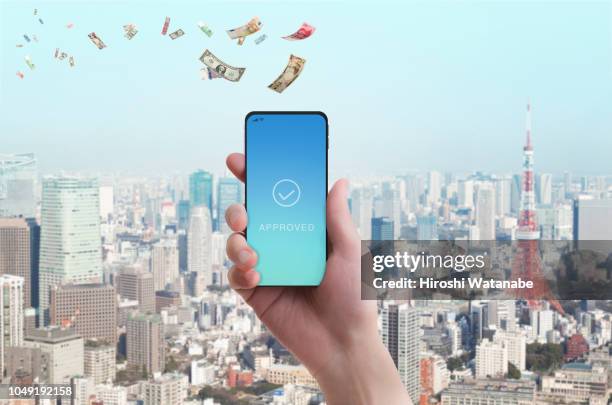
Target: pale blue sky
{"x": 406, "y": 85}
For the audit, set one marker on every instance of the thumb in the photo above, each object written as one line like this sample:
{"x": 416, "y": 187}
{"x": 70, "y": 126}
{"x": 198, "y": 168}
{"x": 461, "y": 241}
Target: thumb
{"x": 342, "y": 233}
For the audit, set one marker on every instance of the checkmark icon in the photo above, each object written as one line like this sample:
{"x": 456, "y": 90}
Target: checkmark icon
{"x": 284, "y": 197}
{"x": 286, "y": 193}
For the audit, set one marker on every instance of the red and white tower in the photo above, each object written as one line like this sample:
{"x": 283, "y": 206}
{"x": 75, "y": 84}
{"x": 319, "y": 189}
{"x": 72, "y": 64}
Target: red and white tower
{"x": 526, "y": 262}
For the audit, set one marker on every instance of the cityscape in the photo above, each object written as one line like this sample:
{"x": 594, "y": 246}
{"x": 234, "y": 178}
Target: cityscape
{"x": 117, "y": 286}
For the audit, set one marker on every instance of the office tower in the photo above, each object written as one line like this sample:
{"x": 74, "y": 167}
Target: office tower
{"x": 361, "y": 211}
{"x": 382, "y": 228}
{"x": 64, "y": 350}
{"x": 485, "y": 212}
{"x": 201, "y": 189}
{"x": 542, "y": 321}
{"x": 400, "y": 333}
{"x": 11, "y": 315}
{"x": 465, "y": 193}
{"x": 133, "y": 283}
{"x": 183, "y": 250}
{"x": 182, "y": 214}
{"x": 391, "y": 206}
{"x": 503, "y": 196}
{"x": 167, "y": 389}
{"x": 454, "y": 332}
{"x": 89, "y": 308}
{"x": 229, "y": 191}
{"x": 165, "y": 299}
{"x": 567, "y": 184}
{"x": 164, "y": 263}
{"x": 15, "y": 257}
{"x": 414, "y": 190}
{"x": 584, "y": 184}
{"x": 515, "y": 194}
{"x": 107, "y": 202}
{"x": 506, "y": 315}
{"x": 516, "y": 346}
{"x": 145, "y": 342}
{"x": 577, "y": 383}
{"x": 34, "y": 261}
{"x": 434, "y": 187}
{"x": 490, "y": 392}
{"x": 199, "y": 244}
{"x": 592, "y": 219}
{"x": 543, "y": 188}
{"x": 427, "y": 227}
{"x": 99, "y": 363}
{"x": 70, "y": 246}
{"x": 491, "y": 359}
{"x": 18, "y": 185}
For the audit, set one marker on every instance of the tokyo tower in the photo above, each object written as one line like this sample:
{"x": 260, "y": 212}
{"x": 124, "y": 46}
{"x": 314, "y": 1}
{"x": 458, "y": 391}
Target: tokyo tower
{"x": 526, "y": 263}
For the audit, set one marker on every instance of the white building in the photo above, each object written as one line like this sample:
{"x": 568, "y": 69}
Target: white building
{"x": 491, "y": 359}
{"x": 485, "y": 212}
{"x": 543, "y": 187}
{"x": 11, "y": 315}
{"x": 70, "y": 246}
{"x": 64, "y": 349}
{"x": 199, "y": 243}
{"x": 164, "y": 263}
{"x": 465, "y": 193}
{"x": 100, "y": 362}
{"x": 202, "y": 372}
{"x": 542, "y": 321}
{"x": 361, "y": 211}
{"x": 434, "y": 189}
{"x": 111, "y": 394}
{"x": 167, "y": 389}
{"x": 516, "y": 345}
{"x": 107, "y": 202}
{"x": 401, "y": 336}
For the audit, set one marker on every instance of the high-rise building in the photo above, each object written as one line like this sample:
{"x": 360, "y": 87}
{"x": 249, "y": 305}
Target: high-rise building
{"x": 361, "y": 211}
{"x": 382, "y": 228}
{"x": 89, "y": 308}
{"x": 199, "y": 242}
{"x": 485, "y": 212}
{"x": 70, "y": 245}
{"x": 400, "y": 333}
{"x": 201, "y": 189}
{"x": 18, "y": 185}
{"x": 543, "y": 188}
{"x": 133, "y": 283}
{"x": 182, "y": 214}
{"x": 99, "y": 361}
{"x": 164, "y": 263}
{"x": 107, "y": 202}
{"x": 577, "y": 383}
{"x": 427, "y": 227}
{"x": 64, "y": 350}
{"x": 391, "y": 205}
{"x": 145, "y": 342}
{"x": 592, "y": 219}
{"x": 503, "y": 196}
{"x": 167, "y": 389}
{"x": 15, "y": 257}
{"x": 229, "y": 191}
{"x": 11, "y": 314}
{"x": 491, "y": 359}
{"x": 542, "y": 321}
{"x": 465, "y": 194}
{"x": 516, "y": 346}
{"x": 515, "y": 193}
{"x": 434, "y": 187}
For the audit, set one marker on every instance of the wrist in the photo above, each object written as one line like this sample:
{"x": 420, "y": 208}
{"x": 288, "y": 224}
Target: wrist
{"x": 362, "y": 372}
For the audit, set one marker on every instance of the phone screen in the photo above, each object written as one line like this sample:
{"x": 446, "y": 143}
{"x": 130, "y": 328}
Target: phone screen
{"x": 286, "y": 192}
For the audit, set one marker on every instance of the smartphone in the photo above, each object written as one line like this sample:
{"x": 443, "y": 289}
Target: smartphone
{"x": 286, "y": 195}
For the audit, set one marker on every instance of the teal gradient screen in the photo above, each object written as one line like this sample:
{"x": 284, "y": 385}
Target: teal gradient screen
{"x": 286, "y": 191}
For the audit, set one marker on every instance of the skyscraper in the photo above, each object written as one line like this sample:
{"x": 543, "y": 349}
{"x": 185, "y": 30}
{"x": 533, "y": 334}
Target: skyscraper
{"x": 485, "y": 212}
{"x": 70, "y": 250}
{"x": 543, "y": 188}
{"x": 15, "y": 254}
{"x": 592, "y": 219}
{"x": 199, "y": 243}
{"x": 491, "y": 359}
{"x": 11, "y": 314}
{"x": 434, "y": 189}
{"x": 18, "y": 185}
{"x": 361, "y": 211}
{"x": 465, "y": 193}
{"x": 183, "y": 214}
{"x": 400, "y": 333}
{"x": 164, "y": 263}
{"x": 382, "y": 228}
{"x": 145, "y": 342}
{"x": 201, "y": 189}
{"x": 503, "y": 196}
{"x": 427, "y": 227}
{"x": 229, "y": 192}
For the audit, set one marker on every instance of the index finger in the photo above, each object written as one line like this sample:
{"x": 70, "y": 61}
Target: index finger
{"x": 235, "y": 162}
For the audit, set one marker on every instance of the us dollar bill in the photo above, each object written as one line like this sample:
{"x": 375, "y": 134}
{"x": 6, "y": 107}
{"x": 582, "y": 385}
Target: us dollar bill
{"x": 221, "y": 68}
{"x": 249, "y": 28}
{"x": 130, "y": 31}
{"x": 177, "y": 34}
{"x": 292, "y": 71}
{"x": 97, "y": 41}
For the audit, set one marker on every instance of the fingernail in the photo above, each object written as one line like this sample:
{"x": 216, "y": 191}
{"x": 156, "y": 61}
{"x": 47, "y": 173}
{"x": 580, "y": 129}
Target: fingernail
{"x": 244, "y": 256}
{"x": 232, "y": 218}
